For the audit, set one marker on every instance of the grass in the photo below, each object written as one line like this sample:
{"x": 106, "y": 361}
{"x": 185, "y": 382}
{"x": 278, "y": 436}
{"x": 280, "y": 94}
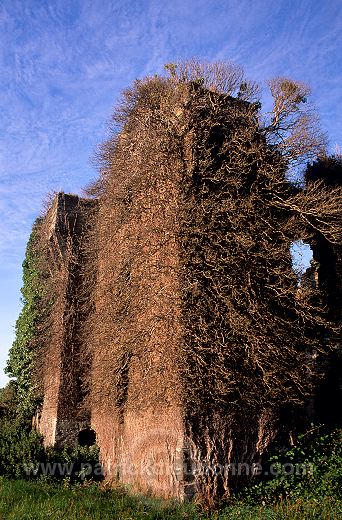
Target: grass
{"x": 41, "y": 500}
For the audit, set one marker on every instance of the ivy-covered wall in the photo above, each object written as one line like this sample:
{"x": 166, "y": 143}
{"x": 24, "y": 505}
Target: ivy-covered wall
{"x": 21, "y": 356}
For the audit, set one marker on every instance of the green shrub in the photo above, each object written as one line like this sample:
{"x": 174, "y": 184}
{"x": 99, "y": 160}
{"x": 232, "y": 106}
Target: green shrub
{"x": 22, "y": 353}
{"x": 312, "y": 469}
{"x": 19, "y": 445}
{"x": 22, "y": 454}
{"x": 73, "y": 464}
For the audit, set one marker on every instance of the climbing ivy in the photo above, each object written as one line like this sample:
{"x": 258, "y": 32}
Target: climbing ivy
{"x": 21, "y": 355}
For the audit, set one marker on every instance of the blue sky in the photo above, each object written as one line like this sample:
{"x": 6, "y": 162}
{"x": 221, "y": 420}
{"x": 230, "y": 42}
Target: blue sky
{"x": 63, "y": 64}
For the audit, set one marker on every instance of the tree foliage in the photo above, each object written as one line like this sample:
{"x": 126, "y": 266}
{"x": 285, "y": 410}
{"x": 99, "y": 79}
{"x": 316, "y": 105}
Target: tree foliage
{"x": 293, "y": 125}
{"x": 24, "y": 349}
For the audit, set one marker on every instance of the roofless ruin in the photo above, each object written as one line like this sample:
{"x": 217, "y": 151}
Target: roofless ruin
{"x": 174, "y": 332}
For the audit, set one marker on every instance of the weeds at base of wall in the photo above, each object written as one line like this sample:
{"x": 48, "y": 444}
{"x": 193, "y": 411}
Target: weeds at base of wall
{"x": 319, "y": 447}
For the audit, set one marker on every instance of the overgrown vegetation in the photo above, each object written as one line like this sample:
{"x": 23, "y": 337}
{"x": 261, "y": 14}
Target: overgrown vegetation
{"x": 22, "y": 454}
{"x": 19, "y": 444}
{"x": 23, "y": 352}
{"x": 311, "y": 469}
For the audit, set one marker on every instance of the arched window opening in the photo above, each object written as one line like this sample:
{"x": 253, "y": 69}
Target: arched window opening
{"x": 301, "y": 254}
{"x": 87, "y": 437}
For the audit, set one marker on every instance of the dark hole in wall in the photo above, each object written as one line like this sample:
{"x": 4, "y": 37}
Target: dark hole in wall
{"x": 87, "y": 437}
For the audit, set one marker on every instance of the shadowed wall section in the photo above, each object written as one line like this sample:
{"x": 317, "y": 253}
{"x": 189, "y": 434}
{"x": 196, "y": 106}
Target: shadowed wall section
{"x": 328, "y": 259}
{"x": 65, "y": 408}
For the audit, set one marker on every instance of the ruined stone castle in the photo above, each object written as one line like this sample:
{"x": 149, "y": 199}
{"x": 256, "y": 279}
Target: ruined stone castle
{"x": 150, "y": 330}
